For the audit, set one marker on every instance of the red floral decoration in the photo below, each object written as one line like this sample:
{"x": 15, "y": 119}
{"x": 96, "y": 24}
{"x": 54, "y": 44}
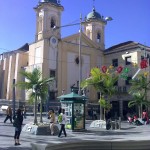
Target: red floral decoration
{"x": 104, "y": 69}
{"x": 144, "y": 63}
{"x": 119, "y": 69}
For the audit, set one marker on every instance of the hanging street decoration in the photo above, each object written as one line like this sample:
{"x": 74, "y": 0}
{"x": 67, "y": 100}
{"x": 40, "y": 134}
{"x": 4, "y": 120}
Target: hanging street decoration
{"x": 104, "y": 69}
{"x": 124, "y": 74}
{"x": 119, "y": 69}
{"x": 134, "y": 64}
{"x": 143, "y": 63}
{"x": 111, "y": 67}
{"x": 123, "y": 71}
{"x": 145, "y": 74}
{"x": 126, "y": 70}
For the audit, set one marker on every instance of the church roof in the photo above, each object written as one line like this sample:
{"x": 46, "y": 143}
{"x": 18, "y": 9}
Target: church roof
{"x": 94, "y": 15}
{"x": 52, "y": 1}
{"x": 85, "y": 40}
{"x": 25, "y": 47}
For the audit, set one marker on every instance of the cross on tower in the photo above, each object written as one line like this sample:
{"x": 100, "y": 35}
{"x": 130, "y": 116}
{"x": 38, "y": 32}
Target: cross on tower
{"x": 93, "y": 3}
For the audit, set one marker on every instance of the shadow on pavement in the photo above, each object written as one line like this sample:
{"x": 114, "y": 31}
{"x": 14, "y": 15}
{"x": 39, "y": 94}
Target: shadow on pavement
{"x": 15, "y": 148}
{"x": 6, "y": 135}
{"x": 128, "y": 128}
{"x": 6, "y": 124}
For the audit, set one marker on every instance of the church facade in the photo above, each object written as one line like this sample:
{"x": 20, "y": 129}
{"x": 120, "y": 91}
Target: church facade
{"x": 69, "y": 59}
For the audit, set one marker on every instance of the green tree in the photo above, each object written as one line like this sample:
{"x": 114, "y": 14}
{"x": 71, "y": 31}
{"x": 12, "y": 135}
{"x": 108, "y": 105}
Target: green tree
{"x": 37, "y": 88}
{"x": 139, "y": 88}
{"x": 138, "y": 100}
{"x": 105, "y": 104}
{"x": 103, "y": 83}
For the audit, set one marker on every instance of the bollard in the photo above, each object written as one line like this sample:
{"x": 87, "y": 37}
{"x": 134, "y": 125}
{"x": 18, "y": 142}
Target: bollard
{"x": 119, "y": 123}
{"x": 115, "y": 124}
{"x": 111, "y": 124}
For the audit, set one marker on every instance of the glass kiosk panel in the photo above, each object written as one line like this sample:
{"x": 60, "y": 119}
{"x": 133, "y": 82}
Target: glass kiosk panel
{"x": 78, "y": 116}
{"x": 68, "y": 111}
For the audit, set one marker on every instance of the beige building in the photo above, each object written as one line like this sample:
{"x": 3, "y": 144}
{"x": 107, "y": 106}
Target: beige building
{"x": 59, "y": 57}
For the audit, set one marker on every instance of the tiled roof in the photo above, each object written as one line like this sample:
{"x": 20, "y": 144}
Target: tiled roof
{"x": 24, "y": 48}
{"x": 120, "y": 45}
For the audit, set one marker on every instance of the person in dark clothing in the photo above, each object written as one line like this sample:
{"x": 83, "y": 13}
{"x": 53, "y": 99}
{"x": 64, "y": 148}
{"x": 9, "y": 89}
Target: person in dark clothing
{"x": 107, "y": 118}
{"x": 18, "y": 120}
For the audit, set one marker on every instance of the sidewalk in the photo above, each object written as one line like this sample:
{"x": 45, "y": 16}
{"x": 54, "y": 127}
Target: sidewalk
{"x": 127, "y": 132}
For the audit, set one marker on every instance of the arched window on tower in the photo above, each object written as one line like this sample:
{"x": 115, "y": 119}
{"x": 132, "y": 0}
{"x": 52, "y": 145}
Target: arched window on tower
{"x": 53, "y": 23}
{"x": 98, "y": 37}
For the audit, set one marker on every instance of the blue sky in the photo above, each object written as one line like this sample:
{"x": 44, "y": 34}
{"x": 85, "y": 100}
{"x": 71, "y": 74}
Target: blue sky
{"x": 131, "y": 20}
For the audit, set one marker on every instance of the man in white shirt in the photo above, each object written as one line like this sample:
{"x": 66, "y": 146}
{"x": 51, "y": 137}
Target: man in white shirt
{"x": 62, "y": 123}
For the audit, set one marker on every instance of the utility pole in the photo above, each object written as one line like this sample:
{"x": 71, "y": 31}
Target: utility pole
{"x": 14, "y": 98}
{"x": 80, "y": 35}
{"x": 35, "y": 90}
{"x": 101, "y": 109}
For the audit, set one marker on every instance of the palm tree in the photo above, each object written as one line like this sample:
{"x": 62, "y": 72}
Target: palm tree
{"x": 138, "y": 100}
{"x": 138, "y": 89}
{"x": 37, "y": 87}
{"x": 105, "y": 104}
{"x": 140, "y": 83}
{"x": 102, "y": 82}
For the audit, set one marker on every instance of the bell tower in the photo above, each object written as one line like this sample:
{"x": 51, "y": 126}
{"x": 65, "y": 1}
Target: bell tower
{"x": 94, "y": 28}
{"x": 48, "y": 15}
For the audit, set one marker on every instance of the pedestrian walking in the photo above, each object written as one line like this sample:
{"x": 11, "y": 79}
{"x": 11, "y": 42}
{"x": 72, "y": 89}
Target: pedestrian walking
{"x": 18, "y": 120}
{"x": 62, "y": 121}
{"x": 8, "y": 114}
{"x": 52, "y": 121}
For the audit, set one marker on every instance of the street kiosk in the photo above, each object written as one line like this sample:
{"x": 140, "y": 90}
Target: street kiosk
{"x": 74, "y": 106}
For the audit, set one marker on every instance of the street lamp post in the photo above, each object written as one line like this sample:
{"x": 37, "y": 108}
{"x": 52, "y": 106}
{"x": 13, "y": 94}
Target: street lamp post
{"x": 35, "y": 90}
{"x": 80, "y": 69}
{"x": 14, "y": 98}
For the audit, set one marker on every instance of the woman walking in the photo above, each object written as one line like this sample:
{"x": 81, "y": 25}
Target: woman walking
{"x": 18, "y": 119}
{"x": 52, "y": 121}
